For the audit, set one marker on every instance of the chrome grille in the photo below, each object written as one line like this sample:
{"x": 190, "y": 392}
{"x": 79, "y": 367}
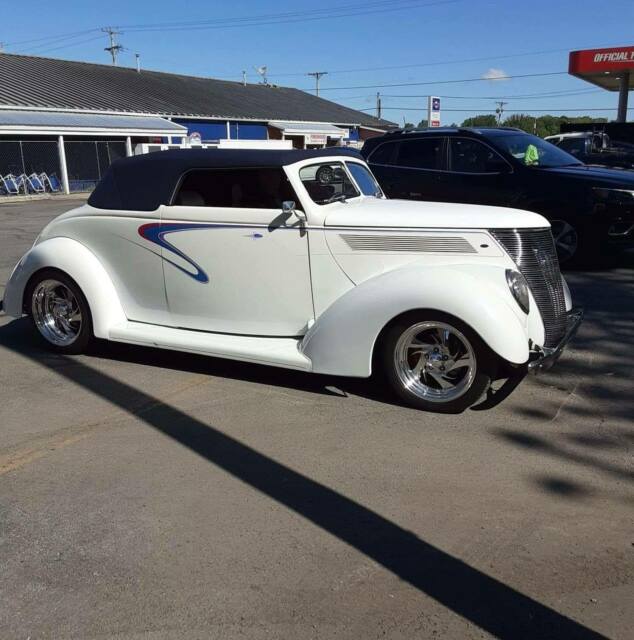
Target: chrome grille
{"x": 533, "y": 251}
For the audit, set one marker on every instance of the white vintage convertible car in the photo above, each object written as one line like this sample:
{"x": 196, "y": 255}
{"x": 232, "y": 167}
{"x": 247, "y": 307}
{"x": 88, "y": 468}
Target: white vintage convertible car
{"x": 296, "y": 259}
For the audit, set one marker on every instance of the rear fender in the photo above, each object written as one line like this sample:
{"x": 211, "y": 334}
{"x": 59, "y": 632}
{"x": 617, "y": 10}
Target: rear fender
{"x": 77, "y": 261}
{"x": 342, "y": 339}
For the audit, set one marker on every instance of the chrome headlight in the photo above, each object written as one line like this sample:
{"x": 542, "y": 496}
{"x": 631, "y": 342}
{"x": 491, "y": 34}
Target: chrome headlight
{"x": 519, "y": 288}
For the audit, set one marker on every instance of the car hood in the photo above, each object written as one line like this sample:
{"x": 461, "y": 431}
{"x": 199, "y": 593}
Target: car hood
{"x": 604, "y": 176}
{"x": 375, "y": 212}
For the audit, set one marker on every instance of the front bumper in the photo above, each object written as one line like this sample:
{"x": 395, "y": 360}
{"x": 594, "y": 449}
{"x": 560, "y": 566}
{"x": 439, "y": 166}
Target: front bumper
{"x": 543, "y": 358}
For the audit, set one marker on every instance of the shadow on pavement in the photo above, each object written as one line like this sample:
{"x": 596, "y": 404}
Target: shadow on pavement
{"x": 482, "y": 600}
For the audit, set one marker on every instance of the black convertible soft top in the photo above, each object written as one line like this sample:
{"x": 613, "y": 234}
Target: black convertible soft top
{"x": 144, "y": 182}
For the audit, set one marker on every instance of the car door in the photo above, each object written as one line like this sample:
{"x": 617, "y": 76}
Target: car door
{"x": 413, "y": 169}
{"x": 233, "y": 261}
{"x": 478, "y": 174}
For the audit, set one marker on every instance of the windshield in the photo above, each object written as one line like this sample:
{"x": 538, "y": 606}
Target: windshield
{"x": 364, "y": 179}
{"x": 327, "y": 182}
{"x": 533, "y": 151}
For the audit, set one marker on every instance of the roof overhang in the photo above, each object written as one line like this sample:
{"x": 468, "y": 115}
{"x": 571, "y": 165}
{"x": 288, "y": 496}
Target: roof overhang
{"x": 30, "y": 122}
{"x": 603, "y": 67}
{"x": 309, "y": 129}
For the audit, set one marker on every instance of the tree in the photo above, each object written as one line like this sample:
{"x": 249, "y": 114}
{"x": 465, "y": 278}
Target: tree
{"x": 423, "y": 124}
{"x": 542, "y": 126}
{"x": 546, "y": 125}
{"x": 408, "y": 125}
{"x": 481, "y": 121}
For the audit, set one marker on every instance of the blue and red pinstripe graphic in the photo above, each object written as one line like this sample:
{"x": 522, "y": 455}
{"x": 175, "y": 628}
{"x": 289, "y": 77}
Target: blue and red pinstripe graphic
{"x": 156, "y": 231}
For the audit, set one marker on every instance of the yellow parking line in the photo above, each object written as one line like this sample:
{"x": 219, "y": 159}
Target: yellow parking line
{"x": 19, "y": 459}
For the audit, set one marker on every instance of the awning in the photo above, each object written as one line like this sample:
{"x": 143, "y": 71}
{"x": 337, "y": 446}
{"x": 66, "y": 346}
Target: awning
{"x": 68, "y": 123}
{"x": 315, "y": 133}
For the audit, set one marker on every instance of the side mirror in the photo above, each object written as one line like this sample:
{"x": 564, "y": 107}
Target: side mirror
{"x": 288, "y": 208}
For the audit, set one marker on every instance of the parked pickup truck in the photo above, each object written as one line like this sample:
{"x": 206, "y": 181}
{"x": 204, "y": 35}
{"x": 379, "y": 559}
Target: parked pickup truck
{"x": 595, "y": 147}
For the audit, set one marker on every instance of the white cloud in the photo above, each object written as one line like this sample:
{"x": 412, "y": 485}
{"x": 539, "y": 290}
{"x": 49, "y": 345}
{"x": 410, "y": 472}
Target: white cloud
{"x": 495, "y": 74}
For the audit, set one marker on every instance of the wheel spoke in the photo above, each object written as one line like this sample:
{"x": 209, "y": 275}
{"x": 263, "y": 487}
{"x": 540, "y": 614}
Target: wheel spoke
{"x": 438, "y": 377}
{"x": 463, "y": 361}
{"x": 419, "y": 366}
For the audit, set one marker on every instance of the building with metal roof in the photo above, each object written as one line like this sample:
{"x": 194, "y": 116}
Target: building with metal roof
{"x": 73, "y": 118}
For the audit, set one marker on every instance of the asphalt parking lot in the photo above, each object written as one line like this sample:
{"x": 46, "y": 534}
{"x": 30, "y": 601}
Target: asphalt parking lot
{"x": 152, "y": 494}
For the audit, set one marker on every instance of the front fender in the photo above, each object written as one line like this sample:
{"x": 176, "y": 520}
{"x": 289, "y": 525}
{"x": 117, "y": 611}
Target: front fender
{"x": 342, "y": 339}
{"x": 74, "y": 259}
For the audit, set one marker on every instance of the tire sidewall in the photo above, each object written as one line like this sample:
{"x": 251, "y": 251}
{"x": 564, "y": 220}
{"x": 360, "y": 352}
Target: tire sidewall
{"x": 80, "y": 344}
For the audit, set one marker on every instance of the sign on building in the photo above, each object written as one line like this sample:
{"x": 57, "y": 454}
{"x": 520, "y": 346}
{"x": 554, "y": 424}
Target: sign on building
{"x": 433, "y": 111}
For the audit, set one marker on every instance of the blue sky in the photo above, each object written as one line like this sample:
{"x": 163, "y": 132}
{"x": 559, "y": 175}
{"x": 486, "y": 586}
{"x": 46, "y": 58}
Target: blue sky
{"x": 421, "y": 42}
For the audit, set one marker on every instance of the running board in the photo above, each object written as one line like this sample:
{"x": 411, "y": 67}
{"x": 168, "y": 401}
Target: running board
{"x": 279, "y": 352}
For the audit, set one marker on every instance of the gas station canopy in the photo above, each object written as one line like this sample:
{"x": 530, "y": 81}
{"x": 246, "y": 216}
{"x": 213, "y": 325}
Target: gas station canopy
{"x": 611, "y": 69}
{"x": 603, "y": 67}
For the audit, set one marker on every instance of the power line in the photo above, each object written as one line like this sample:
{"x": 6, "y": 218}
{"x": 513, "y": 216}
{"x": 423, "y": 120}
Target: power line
{"x": 444, "y": 62}
{"x": 435, "y": 82}
{"x": 524, "y": 96}
{"x": 57, "y": 36}
{"x": 481, "y": 110}
{"x": 67, "y": 46}
{"x": 289, "y": 17}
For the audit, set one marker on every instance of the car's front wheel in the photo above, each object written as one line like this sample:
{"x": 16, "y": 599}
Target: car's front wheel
{"x": 566, "y": 240}
{"x": 60, "y": 312}
{"x": 436, "y": 363}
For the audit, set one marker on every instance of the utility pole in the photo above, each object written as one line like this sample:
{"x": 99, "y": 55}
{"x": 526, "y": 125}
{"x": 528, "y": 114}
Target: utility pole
{"x": 1, "y": 47}
{"x": 114, "y": 48}
{"x": 138, "y": 62}
{"x": 244, "y": 78}
{"x": 378, "y": 105}
{"x": 317, "y": 75}
{"x": 500, "y": 110}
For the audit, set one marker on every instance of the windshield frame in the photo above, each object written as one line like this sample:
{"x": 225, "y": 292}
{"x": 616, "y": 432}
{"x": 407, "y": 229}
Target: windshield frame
{"x": 497, "y": 141}
{"x": 378, "y": 193}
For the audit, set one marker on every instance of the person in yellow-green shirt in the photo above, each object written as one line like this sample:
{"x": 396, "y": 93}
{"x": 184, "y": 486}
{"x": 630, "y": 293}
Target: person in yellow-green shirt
{"x": 532, "y": 155}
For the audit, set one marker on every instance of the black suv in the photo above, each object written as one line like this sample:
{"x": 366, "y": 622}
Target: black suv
{"x": 591, "y": 209}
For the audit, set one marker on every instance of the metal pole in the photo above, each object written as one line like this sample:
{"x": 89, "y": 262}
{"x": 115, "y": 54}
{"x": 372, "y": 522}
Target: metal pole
{"x": 624, "y": 89}
{"x": 128, "y": 146}
{"x": 378, "y": 104}
{"x": 317, "y": 75}
{"x": 228, "y": 130}
{"x": 62, "y": 164}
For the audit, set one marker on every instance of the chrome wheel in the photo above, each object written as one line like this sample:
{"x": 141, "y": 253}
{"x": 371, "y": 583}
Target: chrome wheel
{"x": 56, "y": 312}
{"x": 566, "y": 239}
{"x": 435, "y": 361}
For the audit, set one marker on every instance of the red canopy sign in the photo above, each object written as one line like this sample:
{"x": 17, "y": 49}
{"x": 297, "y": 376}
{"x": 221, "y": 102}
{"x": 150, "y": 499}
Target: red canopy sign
{"x": 603, "y": 67}
{"x": 601, "y": 60}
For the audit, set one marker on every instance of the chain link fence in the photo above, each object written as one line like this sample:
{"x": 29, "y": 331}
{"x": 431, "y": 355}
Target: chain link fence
{"x": 86, "y": 160}
{"x": 28, "y": 156}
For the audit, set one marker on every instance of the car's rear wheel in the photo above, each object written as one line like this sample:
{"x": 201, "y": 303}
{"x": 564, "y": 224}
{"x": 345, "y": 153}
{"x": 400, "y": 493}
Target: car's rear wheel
{"x": 60, "y": 312}
{"x": 436, "y": 363}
